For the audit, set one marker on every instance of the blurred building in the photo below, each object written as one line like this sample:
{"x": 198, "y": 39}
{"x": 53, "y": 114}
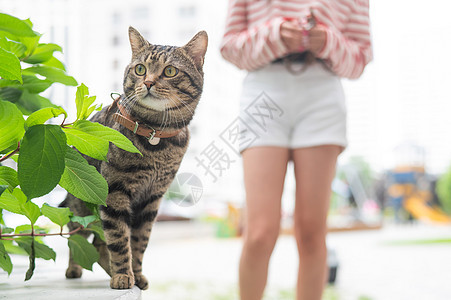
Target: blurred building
{"x": 94, "y": 34}
{"x": 94, "y": 37}
{"x": 402, "y": 96}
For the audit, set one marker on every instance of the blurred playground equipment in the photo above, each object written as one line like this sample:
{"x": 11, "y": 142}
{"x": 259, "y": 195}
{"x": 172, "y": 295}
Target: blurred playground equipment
{"x": 411, "y": 191}
{"x": 354, "y": 203}
{"x": 231, "y": 225}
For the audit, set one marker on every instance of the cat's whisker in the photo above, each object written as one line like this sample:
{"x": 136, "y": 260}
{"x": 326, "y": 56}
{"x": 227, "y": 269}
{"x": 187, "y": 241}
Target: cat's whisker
{"x": 165, "y": 118}
{"x": 185, "y": 103}
{"x": 126, "y": 103}
{"x": 168, "y": 117}
{"x": 130, "y": 102}
{"x": 189, "y": 108}
{"x": 182, "y": 119}
{"x": 167, "y": 112}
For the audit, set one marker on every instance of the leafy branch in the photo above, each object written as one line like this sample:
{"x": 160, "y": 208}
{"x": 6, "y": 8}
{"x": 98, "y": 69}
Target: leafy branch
{"x": 5, "y": 157}
{"x": 44, "y": 152}
{"x": 41, "y": 234}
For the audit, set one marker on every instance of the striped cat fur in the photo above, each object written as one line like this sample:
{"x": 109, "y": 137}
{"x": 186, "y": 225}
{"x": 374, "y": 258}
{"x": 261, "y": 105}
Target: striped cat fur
{"x": 162, "y": 87}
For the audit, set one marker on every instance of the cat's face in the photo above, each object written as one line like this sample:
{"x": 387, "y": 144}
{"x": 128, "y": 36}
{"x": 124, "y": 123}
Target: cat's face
{"x": 163, "y": 84}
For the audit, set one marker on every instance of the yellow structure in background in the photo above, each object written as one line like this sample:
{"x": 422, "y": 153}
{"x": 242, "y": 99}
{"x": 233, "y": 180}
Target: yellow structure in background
{"x": 410, "y": 188}
{"x": 419, "y": 209}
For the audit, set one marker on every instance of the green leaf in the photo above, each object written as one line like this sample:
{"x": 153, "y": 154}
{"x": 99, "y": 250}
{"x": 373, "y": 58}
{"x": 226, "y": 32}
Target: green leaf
{"x": 30, "y": 43}
{"x": 94, "y": 208}
{"x": 82, "y": 180}
{"x": 54, "y": 62}
{"x": 15, "y": 26}
{"x": 84, "y": 221}
{"x": 32, "y": 259}
{"x": 52, "y": 74}
{"x": 9, "y": 83}
{"x": 5, "y": 260}
{"x": 11, "y": 125}
{"x": 35, "y": 85}
{"x": 10, "y": 94}
{"x": 93, "y": 108}
{"x": 12, "y": 248}
{"x": 58, "y": 215}
{"x": 3, "y": 187}
{"x": 29, "y": 245}
{"x": 41, "y": 250}
{"x": 29, "y": 209}
{"x": 26, "y": 228}
{"x": 41, "y": 159}
{"x": 6, "y": 230}
{"x": 29, "y": 103}
{"x": 83, "y": 252}
{"x": 9, "y": 66}
{"x": 18, "y": 49}
{"x": 9, "y": 176}
{"x": 86, "y": 143}
{"x": 16, "y": 202}
{"x": 83, "y": 102}
{"x": 97, "y": 229}
{"x": 10, "y": 203}
{"x": 107, "y": 134}
{"x": 44, "y": 114}
{"x": 15, "y": 157}
{"x": 43, "y": 53}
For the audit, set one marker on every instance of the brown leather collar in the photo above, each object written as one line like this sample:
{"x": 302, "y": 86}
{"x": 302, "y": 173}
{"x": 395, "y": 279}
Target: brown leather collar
{"x": 128, "y": 122}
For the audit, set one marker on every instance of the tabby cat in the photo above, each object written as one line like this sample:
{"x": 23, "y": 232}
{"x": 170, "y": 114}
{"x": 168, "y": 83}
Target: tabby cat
{"x": 162, "y": 87}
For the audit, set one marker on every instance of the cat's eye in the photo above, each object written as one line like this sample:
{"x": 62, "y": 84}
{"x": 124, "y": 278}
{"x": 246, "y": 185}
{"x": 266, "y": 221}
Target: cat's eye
{"x": 140, "y": 70}
{"x": 170, "y": 71}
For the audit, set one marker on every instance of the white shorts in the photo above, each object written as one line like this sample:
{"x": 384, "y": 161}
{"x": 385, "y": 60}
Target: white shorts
{"x": 280, "y": 109}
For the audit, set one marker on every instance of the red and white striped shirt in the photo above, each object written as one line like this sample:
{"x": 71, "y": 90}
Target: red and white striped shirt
{"x": 252, "y": 36}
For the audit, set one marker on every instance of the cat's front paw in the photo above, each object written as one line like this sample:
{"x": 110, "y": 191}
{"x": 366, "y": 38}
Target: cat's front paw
{"x": 141, "y": 281}
{"x": 122, "y": 281}
{"x": 74, "y": 271}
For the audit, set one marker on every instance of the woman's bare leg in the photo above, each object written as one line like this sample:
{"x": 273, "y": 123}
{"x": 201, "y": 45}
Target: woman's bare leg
{"x": 264, "y": 175}
{"x": 314, "y": 170}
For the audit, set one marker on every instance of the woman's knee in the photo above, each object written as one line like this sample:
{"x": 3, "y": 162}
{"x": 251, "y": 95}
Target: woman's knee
{"x": 310, "y": 236}
{"x": 261, "y": 239}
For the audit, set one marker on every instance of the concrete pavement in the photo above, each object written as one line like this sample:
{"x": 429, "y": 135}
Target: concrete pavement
{"x": 184, "y": 261}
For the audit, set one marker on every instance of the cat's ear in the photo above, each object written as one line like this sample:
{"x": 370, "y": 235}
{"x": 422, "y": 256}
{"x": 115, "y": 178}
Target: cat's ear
{"x": 197, "y": 47}
{"x": 136, "y": 40}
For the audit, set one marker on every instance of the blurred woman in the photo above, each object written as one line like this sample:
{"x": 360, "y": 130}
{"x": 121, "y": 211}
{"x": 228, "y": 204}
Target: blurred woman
{"x": 295, "y": 52}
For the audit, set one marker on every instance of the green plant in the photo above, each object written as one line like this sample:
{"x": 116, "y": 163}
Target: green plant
{"x": 43, "y": 151}
{"x": 443, "y": 190}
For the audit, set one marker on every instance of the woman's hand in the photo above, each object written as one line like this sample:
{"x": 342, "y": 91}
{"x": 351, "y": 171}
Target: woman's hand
{"x": 296, "y": 40}
{"x": 291, "y": 34}
{"x": 317, "y": 39}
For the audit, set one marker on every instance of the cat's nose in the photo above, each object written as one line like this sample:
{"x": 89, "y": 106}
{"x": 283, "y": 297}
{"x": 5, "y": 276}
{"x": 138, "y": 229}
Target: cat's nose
{"x": 149, "y": 84}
